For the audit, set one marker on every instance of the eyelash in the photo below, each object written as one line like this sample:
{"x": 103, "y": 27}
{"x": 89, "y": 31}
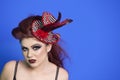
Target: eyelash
{"x": 24, "y": 49}
{"x": 36, "y": 47}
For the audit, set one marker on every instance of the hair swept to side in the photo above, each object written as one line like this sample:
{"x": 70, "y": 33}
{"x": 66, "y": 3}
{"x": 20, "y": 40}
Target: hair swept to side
{"x": 23, "y": 30}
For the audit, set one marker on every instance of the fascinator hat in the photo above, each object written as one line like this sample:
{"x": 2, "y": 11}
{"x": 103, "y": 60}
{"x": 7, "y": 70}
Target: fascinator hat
{"x": 43, "y": 29}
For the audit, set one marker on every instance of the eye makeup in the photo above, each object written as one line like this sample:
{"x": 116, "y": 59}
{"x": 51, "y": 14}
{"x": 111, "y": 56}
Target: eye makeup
{"x": 24, "y": 49}
{"x": 36, "y": 47}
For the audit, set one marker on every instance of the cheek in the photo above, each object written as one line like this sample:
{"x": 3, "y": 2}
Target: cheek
{"x": 42, "y": 53}
{"x": 24, "y": 54}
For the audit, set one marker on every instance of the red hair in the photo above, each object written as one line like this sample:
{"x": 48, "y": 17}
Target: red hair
{"x": 56, "y": 55}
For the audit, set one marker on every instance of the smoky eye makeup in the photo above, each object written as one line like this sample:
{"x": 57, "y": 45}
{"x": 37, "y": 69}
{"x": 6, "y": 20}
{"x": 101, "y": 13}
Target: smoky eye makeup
{"x": 36, "y": 47}
{"x": 24, "y": 49}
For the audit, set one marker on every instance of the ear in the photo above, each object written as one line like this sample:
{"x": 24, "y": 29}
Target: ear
{"x": 49, "y": 47}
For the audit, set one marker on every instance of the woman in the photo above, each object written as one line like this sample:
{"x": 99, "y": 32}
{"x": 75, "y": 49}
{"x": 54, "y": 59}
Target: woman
{"x": 43, "y": 55}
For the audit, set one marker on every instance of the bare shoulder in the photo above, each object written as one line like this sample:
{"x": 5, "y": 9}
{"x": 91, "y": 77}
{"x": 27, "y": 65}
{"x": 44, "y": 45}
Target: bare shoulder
{"x": 9, "y": 66}
{"x": 8, "y": 71}
{"x": 63, "y": 74}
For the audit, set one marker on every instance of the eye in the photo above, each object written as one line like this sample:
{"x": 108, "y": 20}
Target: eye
{"x": 36, "y": 47}
{"x": 24, "y": 49}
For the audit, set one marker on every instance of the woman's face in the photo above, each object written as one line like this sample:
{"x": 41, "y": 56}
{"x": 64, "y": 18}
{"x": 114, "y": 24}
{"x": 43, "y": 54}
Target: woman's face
{"x": 34, "y": 51}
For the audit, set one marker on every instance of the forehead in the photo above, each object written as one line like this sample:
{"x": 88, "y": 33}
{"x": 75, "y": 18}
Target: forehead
{"x": 30, "y": 41}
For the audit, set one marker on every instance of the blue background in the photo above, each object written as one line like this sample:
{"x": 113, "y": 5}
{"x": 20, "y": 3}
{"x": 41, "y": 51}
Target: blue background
{"x": 92, "y": 40}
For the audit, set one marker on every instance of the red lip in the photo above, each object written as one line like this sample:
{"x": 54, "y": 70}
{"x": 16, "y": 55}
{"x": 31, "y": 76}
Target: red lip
{"x": 32, "y": 61}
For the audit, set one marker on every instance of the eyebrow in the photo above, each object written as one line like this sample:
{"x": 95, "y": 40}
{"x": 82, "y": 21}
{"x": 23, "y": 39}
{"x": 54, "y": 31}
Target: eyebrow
{"x": 36, "y": 45}
{"x": 24, "y": 47}
{"x": 32, "y": 45}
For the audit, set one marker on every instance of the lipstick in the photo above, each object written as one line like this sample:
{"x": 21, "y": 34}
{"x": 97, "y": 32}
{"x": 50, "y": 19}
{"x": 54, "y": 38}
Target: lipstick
{"x": 32, "y": 61}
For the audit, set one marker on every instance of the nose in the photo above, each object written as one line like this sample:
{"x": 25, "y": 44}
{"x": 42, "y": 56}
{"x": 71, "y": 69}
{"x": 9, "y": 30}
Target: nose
{"x": 30, "y": 54}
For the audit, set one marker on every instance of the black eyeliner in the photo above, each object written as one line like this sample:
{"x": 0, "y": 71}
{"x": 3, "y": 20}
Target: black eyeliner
{"x": 36, "y": 46}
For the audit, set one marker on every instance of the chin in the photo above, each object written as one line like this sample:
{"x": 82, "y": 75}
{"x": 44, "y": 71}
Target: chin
{"x": 33, "y": 65}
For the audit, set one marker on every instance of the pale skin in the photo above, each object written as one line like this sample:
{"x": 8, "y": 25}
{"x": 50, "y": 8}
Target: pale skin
{"x": 42, "y": 69}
